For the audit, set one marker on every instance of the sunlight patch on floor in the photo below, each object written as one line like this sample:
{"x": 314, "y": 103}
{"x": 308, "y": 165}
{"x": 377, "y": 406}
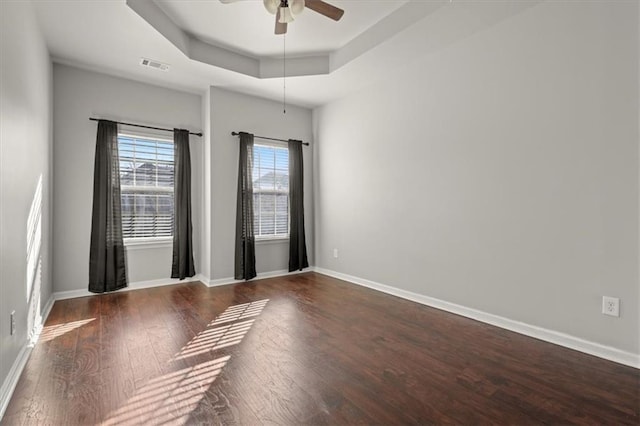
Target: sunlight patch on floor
{"x": 172, "y": 397}
{"x": 50, "y": 332}
{"x": 227, "y": 329}
{"x": 169, "y": 398}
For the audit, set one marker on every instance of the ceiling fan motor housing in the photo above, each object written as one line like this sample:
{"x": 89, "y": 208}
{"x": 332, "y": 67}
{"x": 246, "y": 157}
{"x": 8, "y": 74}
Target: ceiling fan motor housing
{"x": 287, "y": 10}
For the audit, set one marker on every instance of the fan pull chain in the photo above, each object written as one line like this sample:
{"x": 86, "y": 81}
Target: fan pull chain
{"x": 284, "y": 73}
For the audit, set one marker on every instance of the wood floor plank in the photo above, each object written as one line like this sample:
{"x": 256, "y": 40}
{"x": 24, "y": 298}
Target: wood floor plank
{"x": 48, "y": 402}
{"x": 32, "y": 373}
{"x": 302, "y": 349}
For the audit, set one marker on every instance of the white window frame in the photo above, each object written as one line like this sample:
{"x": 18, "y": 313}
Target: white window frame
{"x": 136, "y": 243}
{"x": 273, "y": 238}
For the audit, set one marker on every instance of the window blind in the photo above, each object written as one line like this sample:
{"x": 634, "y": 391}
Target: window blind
{"x": 270, "y": 176}
{"x": 146, "y": 184}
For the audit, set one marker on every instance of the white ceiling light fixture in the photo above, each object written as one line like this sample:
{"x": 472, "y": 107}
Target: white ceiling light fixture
{"x": 271, "y": 6}
{"x": 286, "y": 11}
{"x": 289, "y": 10}
{"x": 297, "y": 7}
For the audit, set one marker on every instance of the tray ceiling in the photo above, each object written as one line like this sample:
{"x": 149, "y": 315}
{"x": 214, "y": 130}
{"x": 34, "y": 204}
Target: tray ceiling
{"x": 111, "y": 37}
{"x": 246, "y": 27}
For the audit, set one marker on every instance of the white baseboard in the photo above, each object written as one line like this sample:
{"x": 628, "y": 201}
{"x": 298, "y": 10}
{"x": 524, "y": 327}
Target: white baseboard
{"x": 10, "y": 382}
{"x": 551, "y": 336}
{"x": 262, "y": 275}
{"x": 72, "y": 294}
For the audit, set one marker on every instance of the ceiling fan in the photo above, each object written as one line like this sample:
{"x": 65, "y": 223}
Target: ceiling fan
{"x": 287, "y": 10}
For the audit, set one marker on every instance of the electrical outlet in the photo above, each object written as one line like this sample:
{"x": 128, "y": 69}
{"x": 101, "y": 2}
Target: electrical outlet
{"x": 13, "y": 322}
{"x": 611, "y": 306}
{"x": 335, "y": 253}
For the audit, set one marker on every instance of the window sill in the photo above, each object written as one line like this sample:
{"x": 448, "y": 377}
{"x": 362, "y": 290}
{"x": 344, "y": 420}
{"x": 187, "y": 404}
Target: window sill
{"x": 147, "y": 243}
{"x": 272, "y": 240}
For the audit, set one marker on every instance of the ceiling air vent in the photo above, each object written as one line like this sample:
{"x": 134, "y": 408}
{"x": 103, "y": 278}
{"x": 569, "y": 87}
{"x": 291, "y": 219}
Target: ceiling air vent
{"x": 154, "y": 64}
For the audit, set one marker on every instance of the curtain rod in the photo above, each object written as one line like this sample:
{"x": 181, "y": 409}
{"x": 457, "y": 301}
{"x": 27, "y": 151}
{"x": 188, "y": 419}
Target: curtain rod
{"x": 146, "y": 127}
{"x": 271, "y": 139}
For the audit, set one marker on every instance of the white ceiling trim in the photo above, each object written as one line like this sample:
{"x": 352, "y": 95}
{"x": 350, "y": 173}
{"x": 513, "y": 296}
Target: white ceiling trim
{"x": 268, "y": 67}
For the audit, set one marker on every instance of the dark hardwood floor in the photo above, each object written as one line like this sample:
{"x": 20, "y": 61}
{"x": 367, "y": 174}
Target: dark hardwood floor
{"x": 304, "y": 349}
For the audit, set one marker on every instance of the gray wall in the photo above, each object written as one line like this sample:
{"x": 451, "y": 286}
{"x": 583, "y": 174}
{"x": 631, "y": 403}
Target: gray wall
{"x": 500, "y": 173}
{"x": 78, "y": 95}
{"x": 205, "y": 183}
{"x": 229, "y": 112}
{"x": 25, "y": 177}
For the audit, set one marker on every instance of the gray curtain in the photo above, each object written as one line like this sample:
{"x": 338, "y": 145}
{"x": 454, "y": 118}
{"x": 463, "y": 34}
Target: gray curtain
{"x": 107, "y": 269}
{"x": 182, "y": 264}
{"x": 297, "y": 242}
{"x": 245, "y": 259}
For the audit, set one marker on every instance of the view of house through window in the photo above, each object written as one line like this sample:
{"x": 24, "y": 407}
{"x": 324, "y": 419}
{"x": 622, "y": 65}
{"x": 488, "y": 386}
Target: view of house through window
{"x": 146, "y": 184}
{"x": 270, "y": 191}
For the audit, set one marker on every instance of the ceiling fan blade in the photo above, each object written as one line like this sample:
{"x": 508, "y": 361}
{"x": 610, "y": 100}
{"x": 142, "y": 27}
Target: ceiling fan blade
{"x": 325, "y": 9}
{"x": 280, "y": 27}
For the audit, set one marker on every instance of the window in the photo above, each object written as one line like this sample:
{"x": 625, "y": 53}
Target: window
{"x": 270, "y": 191}
{"x": 146, "y": 185}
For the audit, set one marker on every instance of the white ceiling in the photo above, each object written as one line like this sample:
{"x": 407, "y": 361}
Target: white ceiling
{"x": 110, "y": 37}
{"x": 245, "y": 26}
